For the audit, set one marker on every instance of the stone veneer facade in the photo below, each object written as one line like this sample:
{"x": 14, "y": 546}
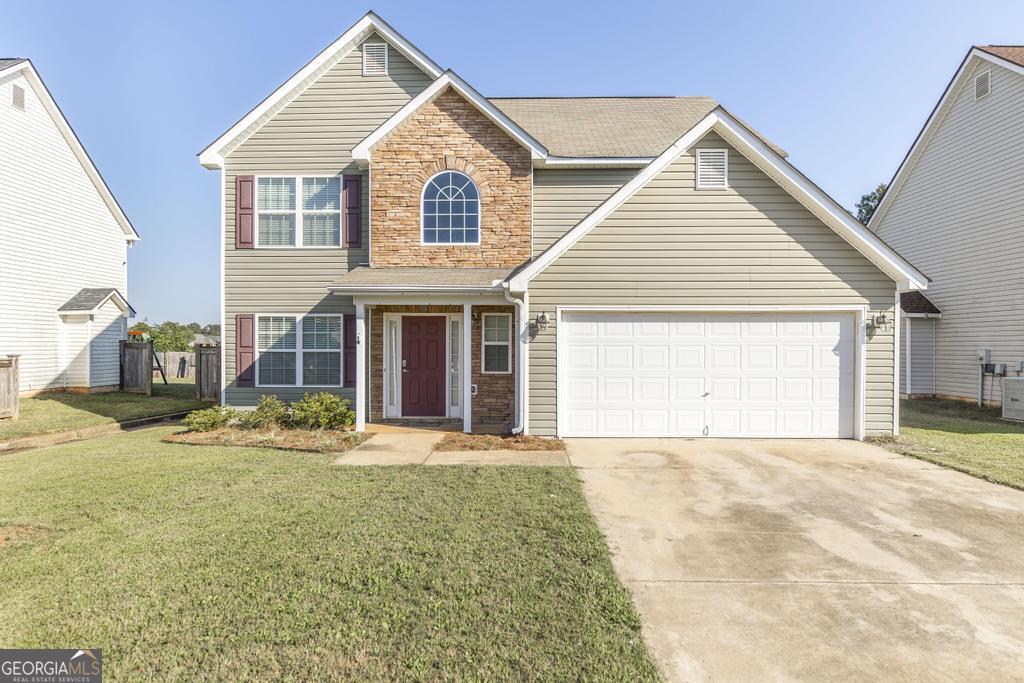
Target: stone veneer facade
{"x": 449, "y": 133}
{"x": 495, "y": 399}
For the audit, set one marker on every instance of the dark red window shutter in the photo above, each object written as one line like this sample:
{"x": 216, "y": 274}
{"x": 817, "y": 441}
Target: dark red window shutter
{"x": 349, "y": 362}
{"x": 352, "y": 198}
{"x": 245, "y": 350}
{"x": 245, "y": 197}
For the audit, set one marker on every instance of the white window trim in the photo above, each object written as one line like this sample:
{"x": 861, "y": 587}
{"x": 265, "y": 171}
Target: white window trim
{"x": 298, "y": 212}
{"x": 484, "y": 343}
{"x": 387, "y": 59}
{"x": 299, "y": 319}
{"x": 696, "y": 169}
{"x": 975, "y": 84}
{"x": 479, "y": 213}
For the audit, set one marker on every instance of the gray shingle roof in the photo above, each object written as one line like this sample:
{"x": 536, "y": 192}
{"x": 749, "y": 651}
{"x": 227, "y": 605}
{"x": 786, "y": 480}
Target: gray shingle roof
{"x": 6, "y": 62}
{"x": 916, "y": 302}
{"x": 441, "y": 278}
{"x": 88, "y": 299}
{"x": 608, "y": 126}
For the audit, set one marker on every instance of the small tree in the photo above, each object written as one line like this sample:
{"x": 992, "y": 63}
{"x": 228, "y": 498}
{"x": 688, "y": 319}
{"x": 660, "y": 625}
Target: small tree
{"x": 171, "y": 336}
{"x": 869, "y": 202}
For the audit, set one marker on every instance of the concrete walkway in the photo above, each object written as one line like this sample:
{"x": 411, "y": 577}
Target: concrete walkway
{"x": 810, "y": 560}
{"x": 416, "y": 447}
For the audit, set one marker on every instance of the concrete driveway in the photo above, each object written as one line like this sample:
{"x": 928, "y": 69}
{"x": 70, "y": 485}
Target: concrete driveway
{"x": 775, "y": 560}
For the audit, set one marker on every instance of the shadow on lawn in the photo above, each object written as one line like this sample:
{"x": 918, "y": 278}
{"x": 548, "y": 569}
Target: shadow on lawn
{"x": 955, "y": 417}
{"x": 112, "y": 404}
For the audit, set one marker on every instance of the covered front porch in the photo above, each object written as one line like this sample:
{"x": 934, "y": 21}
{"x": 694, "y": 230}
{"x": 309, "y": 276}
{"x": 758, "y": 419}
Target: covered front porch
{"x": 437, "y": 347}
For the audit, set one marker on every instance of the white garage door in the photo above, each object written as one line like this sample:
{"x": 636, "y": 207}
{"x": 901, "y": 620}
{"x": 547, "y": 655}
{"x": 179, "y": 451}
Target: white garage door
{"x": 717, "y": 375}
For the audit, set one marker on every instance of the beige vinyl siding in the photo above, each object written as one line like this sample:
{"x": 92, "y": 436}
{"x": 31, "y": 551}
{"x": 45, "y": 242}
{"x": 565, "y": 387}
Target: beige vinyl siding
{"x": 920, "y": 334}
{"x": 312, "y": 135}
{"x": 564, "y": 197}
{"x": 959, "y": 217}
{"x": 671, "y": 245}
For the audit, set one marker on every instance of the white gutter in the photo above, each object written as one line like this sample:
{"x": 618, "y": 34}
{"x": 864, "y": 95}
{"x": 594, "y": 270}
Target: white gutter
{"x": 521, "y": 352}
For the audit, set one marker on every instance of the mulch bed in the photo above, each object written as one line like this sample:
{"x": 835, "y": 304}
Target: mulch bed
{"x": 494, "y": 442}
{"x": 315, "y": 441}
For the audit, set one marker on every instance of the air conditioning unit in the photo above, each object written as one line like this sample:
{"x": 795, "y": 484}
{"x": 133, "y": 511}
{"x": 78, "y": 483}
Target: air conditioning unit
{"x": 1013, "y": 398}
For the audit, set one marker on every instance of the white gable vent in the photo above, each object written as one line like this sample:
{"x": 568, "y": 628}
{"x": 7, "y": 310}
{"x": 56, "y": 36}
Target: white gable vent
{"x": 375, "y": 59}
{"x": 712, "y": 169}
{"x": 982, "y": 84}
{"x": 18, "y": 97}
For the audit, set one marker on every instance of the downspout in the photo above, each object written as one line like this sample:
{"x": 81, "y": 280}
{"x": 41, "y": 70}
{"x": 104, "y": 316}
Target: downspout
{"x": 521, "y": 336}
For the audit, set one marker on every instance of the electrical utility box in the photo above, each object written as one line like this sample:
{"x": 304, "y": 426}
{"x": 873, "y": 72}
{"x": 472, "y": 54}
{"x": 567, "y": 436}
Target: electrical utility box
{"x": 1013, "y": 398}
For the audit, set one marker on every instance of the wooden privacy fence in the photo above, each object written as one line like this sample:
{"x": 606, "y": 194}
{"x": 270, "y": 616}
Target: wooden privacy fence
{"x": 9, "y": 386}
{"x": 177, "y": 363}
{"x": 208, "y": 372}
{"x": 137, "y": 367}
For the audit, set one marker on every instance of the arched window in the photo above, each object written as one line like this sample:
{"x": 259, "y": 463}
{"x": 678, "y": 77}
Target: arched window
{"x": 451, "y": 210}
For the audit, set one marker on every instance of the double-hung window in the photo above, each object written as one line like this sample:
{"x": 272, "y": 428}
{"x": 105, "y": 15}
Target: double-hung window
{"x": 304, "y": 351}
{"x": 277, "y": 350}
{"x": 298, "y": 211}
{"x": 497, "y": 343}
{"x": 321, "y": 350}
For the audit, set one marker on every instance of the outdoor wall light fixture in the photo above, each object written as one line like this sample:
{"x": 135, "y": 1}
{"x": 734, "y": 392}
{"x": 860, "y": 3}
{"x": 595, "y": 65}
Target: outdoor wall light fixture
{"x": 878, "y": 322}
{"x": 542, "y": 321}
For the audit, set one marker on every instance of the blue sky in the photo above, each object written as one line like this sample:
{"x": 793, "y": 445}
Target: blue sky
{"x": 842, "y": 86}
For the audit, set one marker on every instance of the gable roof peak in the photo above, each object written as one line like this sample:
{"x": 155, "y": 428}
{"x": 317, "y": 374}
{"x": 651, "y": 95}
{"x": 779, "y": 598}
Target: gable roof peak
{"x": 212, "y": 156}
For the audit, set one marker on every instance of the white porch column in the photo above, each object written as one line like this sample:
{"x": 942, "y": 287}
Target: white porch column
{"x": 360, "y": 367}
{"x": 467, "y": 368}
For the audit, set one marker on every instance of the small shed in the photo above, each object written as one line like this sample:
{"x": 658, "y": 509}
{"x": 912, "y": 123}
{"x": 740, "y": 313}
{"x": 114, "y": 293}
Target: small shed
{"x": 93, "y": 322}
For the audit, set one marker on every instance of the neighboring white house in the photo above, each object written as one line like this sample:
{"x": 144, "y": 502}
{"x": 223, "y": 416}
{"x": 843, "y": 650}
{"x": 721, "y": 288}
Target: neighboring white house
{"x": 63, "y": 245}
{"x": 955, "y": 209}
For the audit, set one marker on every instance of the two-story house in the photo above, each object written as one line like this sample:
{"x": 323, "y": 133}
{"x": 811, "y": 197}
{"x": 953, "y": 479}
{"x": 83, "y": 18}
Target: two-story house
{"x": 63, "y": 246}
{"x": 955, "y": 207}
{"x": 563, "y": 266}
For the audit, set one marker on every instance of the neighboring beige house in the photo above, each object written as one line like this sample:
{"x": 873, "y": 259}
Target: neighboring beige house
{"x": 559, "y": 266}
{"x": 955, "y": 207}
{"x": 63, "y": 246}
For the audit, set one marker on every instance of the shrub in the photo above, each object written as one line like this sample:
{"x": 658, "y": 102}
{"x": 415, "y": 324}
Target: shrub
{"x": 208, "y": 419}
{"x": 322, "y": 411}
{"x": 270, "y": 412}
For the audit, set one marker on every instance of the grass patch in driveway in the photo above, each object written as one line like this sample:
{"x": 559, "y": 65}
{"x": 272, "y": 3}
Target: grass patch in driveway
{"x": 458, "y": 441}
{"x": 315, "y": 441}
{"x": 241, "y": 563}
{"x": 963, "y": 437}
{"x": 60, "y": 411}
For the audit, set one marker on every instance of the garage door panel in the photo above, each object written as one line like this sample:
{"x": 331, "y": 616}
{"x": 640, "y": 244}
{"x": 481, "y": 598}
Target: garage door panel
{"x": 688, "y": 374}
{"x": 653, "y": 357}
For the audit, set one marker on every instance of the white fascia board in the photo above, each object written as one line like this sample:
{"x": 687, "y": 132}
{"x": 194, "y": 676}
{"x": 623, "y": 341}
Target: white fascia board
{"x": 69, "y": 135}
{"x": 212, "y": 157}
{"x": 931, "y": 124}
{"x": 519, "y": 282}
{"x": 449, "y": 79}
{"x": 819, "y": 203}
{"x": 771, "y": 163}
{"x": 595, "y": 162}
{"x": 416, "y": 289}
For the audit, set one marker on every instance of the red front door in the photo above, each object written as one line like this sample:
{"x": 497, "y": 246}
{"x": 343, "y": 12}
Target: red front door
{"x": 423, "y": 366}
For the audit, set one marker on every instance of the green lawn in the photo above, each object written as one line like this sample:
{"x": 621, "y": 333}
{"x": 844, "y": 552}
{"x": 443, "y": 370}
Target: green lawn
{"x": 963, "y": 437}
{"x": 60, "y": 411}
{"x": 191, "y": 562}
